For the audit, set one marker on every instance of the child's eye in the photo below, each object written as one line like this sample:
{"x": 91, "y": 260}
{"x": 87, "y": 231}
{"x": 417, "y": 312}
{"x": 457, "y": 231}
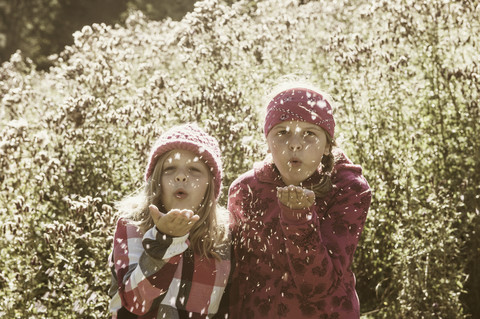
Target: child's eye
{"x": 168, "y": 169}
{"x": 196, "y": 170}
{"x": 309, "y": 133}
{"x": 282, "y": 132}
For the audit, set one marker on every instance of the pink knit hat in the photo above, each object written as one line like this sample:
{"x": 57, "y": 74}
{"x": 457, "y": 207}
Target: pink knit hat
{"x": 300, "y": 104}
{"x": 192, "y": 138}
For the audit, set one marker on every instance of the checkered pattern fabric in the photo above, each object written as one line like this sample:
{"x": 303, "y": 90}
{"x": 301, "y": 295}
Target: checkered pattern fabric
{"x": 158, "y": 276}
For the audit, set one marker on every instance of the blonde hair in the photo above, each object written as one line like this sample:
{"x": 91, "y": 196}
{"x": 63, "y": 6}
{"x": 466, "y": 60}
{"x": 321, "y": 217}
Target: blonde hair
{"x": 208, "y": 233}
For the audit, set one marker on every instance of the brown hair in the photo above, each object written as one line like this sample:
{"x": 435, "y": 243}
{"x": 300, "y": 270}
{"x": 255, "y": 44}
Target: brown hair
{"x": 328, "y": 162}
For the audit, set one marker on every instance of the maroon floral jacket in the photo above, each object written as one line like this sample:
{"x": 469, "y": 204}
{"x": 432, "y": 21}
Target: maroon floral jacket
{"x": 289, "y": 268}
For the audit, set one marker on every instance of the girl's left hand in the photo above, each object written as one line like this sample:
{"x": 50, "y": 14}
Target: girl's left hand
{"x": 295, "y": 197}
{"x": 176, "y": 223}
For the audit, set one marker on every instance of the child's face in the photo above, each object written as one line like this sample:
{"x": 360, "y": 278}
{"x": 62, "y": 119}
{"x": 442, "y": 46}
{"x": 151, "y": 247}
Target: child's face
{"x": 184, "y": 181}
{"x": 297, "y": 149}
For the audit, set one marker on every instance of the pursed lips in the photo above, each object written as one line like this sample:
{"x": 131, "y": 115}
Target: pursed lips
{"x": 295, "y": 162}
{"x": 180, "y": 193}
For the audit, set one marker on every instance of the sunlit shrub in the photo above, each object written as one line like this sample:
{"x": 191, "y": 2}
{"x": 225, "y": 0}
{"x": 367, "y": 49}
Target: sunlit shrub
{"x": 75, "y": 139}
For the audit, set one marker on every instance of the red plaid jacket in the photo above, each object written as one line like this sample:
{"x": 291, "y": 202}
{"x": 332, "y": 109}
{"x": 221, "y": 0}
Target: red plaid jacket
{"x": 158, "y": 276}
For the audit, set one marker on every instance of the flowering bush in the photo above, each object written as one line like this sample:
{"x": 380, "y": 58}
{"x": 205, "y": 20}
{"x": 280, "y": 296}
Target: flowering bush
{"x": 75, "y": 139}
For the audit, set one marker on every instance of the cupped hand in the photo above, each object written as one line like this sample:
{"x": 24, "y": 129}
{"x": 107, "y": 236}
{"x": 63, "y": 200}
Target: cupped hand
{"x": 176, "y": 223}
{"x": 295, "y": 197}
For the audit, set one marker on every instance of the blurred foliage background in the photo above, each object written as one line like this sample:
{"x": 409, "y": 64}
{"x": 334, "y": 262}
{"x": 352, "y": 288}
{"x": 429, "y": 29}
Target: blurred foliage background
{"x": 40, "y": 28}
{"x": 76, "y": 128}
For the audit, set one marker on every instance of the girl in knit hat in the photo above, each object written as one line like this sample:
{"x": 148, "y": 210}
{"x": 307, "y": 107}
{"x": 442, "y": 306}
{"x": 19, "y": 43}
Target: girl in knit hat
{"x": 299, "y": 215}
{"x": 171, "y": 253}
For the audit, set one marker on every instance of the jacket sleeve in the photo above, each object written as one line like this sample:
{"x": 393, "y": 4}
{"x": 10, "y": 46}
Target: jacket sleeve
{"x": 144, "y": 264}
{"x": 320, "y": 248}
{"x": 238, "y": 194}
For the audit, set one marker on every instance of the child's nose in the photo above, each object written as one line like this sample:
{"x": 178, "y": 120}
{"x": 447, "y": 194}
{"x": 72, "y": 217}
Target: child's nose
{"x": 181, "y": 177}
{"x": 295, "y": 144}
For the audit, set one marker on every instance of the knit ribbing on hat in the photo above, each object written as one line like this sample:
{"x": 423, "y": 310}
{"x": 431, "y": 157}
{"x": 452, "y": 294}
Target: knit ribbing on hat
{"x": 192, "y": 138}
{"x": 300, "y": 104}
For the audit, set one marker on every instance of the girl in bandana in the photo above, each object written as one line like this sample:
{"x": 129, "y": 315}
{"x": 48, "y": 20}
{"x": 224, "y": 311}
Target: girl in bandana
{"x": 298, "y": 216}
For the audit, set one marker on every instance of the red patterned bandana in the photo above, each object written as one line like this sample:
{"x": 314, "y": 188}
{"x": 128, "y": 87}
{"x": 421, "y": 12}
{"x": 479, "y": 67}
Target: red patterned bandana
{"x": 300, "y": 104}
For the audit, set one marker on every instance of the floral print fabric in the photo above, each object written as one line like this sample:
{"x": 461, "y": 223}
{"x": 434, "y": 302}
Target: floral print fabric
{"x": 289, "y": 268}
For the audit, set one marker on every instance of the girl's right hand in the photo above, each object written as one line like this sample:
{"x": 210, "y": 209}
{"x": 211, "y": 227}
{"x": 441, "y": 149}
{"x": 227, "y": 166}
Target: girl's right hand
{"x": 296, "y": 197}
{"x": 176, "y": 223}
